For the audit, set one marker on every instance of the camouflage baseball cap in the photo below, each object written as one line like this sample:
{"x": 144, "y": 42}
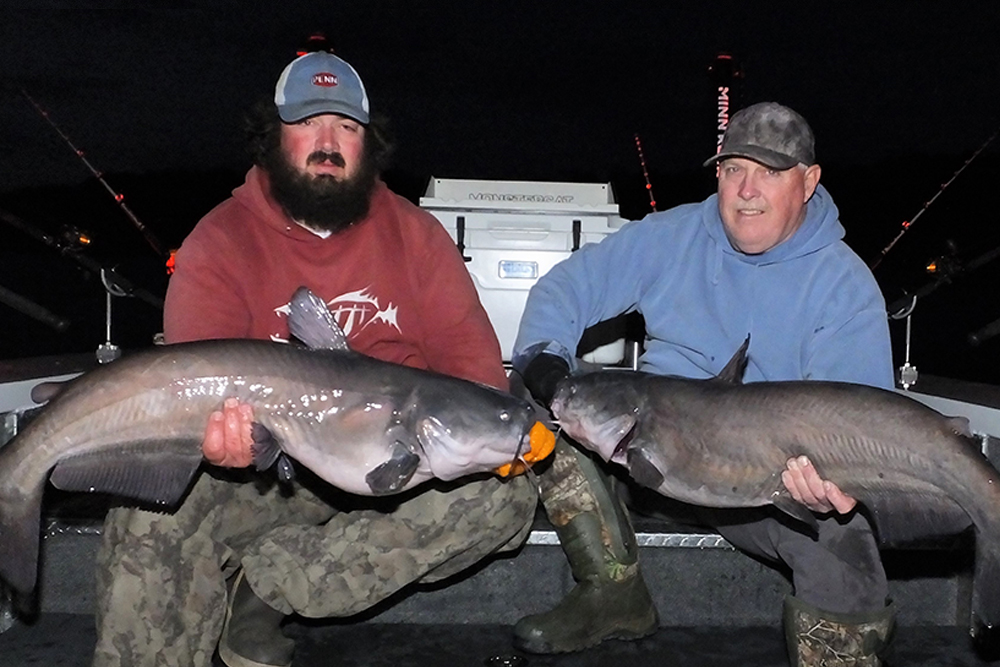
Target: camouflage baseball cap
{"x": 770, "y": 134}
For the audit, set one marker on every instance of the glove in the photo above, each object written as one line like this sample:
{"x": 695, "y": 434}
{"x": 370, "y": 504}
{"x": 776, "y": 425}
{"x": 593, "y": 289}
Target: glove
{"x": 542, "y": 376}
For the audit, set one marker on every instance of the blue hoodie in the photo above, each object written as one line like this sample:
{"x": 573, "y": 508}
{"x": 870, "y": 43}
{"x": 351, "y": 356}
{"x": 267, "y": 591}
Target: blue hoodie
{"x": 812, "y": 308}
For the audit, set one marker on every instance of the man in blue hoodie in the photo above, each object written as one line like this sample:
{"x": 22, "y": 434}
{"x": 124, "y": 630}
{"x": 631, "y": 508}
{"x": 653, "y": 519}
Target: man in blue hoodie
{"x": 764, "y": 256}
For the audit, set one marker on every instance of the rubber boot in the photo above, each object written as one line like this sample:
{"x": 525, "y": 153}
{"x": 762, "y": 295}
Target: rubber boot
{"x": 251, "y": 635}
{"x": 818, "y": 638}
{"x": 610, "y": 599}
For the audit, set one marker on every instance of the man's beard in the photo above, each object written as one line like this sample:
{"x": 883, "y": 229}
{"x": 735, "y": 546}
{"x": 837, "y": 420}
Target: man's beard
{"x": 321, "y": 202}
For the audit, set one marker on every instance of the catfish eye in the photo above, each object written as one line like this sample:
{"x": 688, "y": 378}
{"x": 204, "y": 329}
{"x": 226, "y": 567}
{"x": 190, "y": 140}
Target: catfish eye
{"x": 504, "y": 416}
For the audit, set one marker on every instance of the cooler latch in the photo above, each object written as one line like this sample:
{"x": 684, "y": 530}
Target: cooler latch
{"x": 460, "y": 236}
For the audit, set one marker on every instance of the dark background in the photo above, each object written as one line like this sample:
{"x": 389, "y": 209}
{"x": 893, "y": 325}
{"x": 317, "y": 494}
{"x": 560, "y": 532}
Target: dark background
{"x": 900, "y": 96}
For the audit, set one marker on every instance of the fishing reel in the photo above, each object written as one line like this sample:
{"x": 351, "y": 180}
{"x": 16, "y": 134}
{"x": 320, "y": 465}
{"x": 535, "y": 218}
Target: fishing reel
{"x": 73, "y": 239}
{"x": 946, "y": 265}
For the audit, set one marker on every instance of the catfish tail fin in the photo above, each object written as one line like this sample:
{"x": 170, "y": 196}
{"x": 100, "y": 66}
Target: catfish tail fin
{"x": 986, "y": 597}
{"x": 20, "y": 534}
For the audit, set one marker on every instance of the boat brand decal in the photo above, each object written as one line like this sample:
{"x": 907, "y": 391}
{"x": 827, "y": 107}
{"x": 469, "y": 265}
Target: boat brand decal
{"x": 723, "y": 100}
{"x": 515, "y": 197}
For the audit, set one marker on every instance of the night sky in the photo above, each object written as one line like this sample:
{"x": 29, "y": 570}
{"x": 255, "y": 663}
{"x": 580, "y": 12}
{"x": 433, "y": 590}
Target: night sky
{"x": 900, "y": 95}
{"x": 497, "y": 90}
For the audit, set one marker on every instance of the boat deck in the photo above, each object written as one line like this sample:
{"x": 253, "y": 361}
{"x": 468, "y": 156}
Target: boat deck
{"x": 66, "y": 640}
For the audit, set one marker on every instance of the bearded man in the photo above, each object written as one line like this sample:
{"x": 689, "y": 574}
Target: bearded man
{"x": 240, "y": 554}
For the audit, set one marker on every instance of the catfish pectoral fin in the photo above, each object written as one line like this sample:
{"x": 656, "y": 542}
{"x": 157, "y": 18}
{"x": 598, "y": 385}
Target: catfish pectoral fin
{"x": 267, "y": 452}
{"x": 265, "y": 447}
{"x": 795, "y": 509}
{"x": 286, "y": 471}
{"x": 642, "y": 469}
{"x": 394, "y": 474}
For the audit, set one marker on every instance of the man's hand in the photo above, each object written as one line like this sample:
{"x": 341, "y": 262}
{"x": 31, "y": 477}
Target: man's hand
{"x": 542, "y": 376}
{"x": 227, "y": 438}
{"x": 806, "y": 487}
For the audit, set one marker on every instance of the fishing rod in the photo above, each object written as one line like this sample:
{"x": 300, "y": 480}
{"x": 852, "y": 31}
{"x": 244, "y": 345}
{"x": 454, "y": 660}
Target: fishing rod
{"x": 117, "y": 196}
{"x": 645, "y": 173}
{"x": 946, "y": 272}
{"x": 68, "y": 249}
{"x": 946, "y": 268}
{"x": 28, "y": 307}
{"x": 909, "y": 223}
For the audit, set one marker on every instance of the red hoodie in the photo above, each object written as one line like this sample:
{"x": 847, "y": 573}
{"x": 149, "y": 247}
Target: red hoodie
{"x": 395, "y": 282}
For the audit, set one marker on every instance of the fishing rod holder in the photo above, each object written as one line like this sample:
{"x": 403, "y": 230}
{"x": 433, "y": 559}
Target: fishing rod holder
{"x": 907, "y": 372}
{"x": 108, "y": 351}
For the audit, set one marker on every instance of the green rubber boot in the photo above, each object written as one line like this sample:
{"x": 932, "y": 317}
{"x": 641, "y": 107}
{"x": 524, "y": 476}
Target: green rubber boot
{"x": 818, "y": 638}
{"x": 251, "y": 636}
{"x": 610, "y": 599}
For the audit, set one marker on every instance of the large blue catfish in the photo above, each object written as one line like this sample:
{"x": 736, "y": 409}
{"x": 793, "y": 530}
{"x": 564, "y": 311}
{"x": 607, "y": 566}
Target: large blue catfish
{"x": 720, "y": 443}
{"x": 134, "y": 427}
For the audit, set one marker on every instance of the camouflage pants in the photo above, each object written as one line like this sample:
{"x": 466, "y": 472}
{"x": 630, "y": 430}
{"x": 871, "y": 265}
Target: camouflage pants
{"x": 838, "y": 570}
{"x": 161, "y": 591}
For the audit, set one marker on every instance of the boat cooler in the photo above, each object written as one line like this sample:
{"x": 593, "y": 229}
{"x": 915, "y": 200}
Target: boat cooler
{"x": 511, "y": 233}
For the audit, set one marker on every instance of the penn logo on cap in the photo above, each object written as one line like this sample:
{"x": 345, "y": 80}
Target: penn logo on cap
{"x": 325, "y": 79}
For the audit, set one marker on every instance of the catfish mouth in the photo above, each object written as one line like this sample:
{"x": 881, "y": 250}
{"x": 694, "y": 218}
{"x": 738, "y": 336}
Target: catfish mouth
{"x": 518, "y": 464}
{"x": 623, "y": 444}
{"x": 524, "y": 440}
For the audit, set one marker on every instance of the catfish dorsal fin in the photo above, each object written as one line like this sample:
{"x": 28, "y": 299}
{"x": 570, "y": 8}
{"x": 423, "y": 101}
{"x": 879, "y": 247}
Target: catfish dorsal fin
{"x": 311, "y": 322}
{"x": 732, "y": 373}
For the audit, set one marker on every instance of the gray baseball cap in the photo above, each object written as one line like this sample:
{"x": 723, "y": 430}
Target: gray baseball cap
{"x": 768, "y": 133}
{"x": 320, "y": 82}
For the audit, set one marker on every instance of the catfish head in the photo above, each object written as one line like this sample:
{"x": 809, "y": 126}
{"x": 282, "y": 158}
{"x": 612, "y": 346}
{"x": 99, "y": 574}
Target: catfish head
{"x": 600, "y": 411}
{"x": 466, "y": 432}
{"x": 442, "y": 427}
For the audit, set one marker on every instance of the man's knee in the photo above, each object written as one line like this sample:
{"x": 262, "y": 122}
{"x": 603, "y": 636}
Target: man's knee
{"x": 842, "y": 572}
